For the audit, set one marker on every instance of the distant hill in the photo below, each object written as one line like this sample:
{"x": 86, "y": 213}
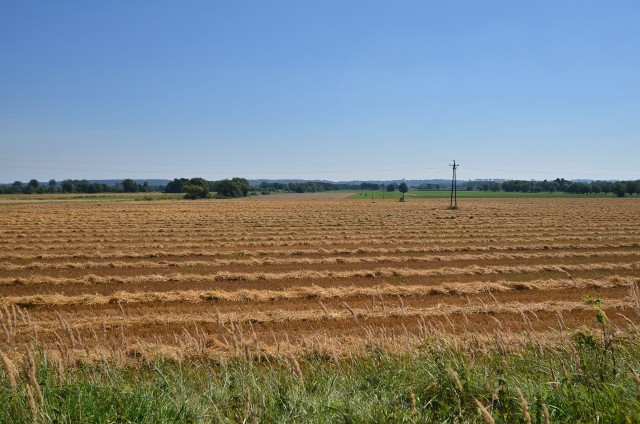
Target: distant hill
{"x": 151, "y": 182}
{"x": 257, "y": 182}
{"x": 410, "y": 183}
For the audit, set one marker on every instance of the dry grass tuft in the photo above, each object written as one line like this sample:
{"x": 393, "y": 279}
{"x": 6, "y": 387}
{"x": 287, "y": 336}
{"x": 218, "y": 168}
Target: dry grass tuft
{"x": 524, "y": 406}
{"x": 9, "y": 370}
{"x": 486, "y": 416}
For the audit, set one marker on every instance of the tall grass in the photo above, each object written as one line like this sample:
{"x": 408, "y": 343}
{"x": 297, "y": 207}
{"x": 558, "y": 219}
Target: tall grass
{"x": 584, "y": 381}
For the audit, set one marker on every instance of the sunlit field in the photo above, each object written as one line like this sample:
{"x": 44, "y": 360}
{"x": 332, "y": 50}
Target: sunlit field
{"x": 519, "y": 305}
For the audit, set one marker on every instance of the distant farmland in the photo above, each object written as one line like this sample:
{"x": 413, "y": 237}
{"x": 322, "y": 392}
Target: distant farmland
{"x": 303, "y": 276}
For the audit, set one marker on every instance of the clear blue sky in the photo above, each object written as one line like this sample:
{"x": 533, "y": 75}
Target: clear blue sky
{"x": 337, "y": 90}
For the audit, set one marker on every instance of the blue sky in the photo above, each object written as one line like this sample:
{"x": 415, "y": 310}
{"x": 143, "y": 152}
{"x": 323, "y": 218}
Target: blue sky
{"x": 338, "y": 90}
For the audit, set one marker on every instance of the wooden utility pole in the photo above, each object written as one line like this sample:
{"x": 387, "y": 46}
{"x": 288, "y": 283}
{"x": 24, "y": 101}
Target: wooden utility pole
{"x": 454, "y": 186}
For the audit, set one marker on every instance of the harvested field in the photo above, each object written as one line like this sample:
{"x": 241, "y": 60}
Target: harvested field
{"x": 312, "y": 274}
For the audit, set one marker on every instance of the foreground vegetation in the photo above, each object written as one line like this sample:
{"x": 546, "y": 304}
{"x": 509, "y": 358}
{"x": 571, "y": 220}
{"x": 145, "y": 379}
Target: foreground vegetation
{"x": 589, "y": 379}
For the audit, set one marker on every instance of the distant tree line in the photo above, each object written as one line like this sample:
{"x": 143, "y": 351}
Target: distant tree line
{"x": 239, "y": 187}
{"x": 302, "y": 187}
{"x": 559, "y": 185}
{"x": 432, "y": 187}
{"x": 195, "y": 188}
{"x": 316, "y": 186}
{"x": 77, "y": 186}
{"x": 619, "y": 188}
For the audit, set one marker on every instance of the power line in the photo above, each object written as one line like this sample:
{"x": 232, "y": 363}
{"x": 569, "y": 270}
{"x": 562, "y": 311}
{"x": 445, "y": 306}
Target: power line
{"x": 454, "y": 187}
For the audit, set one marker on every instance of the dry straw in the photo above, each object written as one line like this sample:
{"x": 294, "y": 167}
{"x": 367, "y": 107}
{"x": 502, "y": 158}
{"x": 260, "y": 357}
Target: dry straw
{"x": 308, "y": 273}
{"x": 545, "y": 413}
{"x": 456, "y": 379}
{"x": 247, "y": 404}
{"x": 524, "y": 406}
{"x": 486, "y": 416}
{"x": 297, "y": 369}
{"x": 32, "y": 403}
{"x": 243, "y": 295}
{"x": 351, "y": 311}
{"x": 31, "y": 375}
{"x": 412, "y": 397}
{"x": 9, "y": 370}
{"x": 325, "y": 310}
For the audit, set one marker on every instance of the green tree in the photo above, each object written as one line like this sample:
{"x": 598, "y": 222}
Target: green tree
{"x": 129, "y": 186}
{"x": 243, "y": 184}
{"x": 16, "y": 187}
{"x": 33, "y": 186}
{"x": 53, "y": 186}
{"x": 619, "y": 189}
{"x": 83, "y": 186}
{"x": 194, "y": 191}
{"x": 176, "y": 186}
{"x": 200, "y": 182}
{"x": 198, "y": 188}
{"x": 403, "y": 189}
{"x": 632, "y": 187}
{"x": 235, "y": 187}
{"x": 392, "y": 187}
{"x": 67, "y": 186}
{"x": 228, "y": 188}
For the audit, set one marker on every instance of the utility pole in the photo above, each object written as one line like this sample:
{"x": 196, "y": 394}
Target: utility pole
{"x": 454, "y": 187}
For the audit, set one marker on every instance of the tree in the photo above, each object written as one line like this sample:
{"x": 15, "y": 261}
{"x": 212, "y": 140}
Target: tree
{"x": 619, "y": 189}
{"x": 130, "y": 186}
{"x": 67, "y": 186}
{"x": 562, "y": 184}
{"x": 632, "y": 187}
{"x": 243, "y": 184}
{"x": 228, "y": 188}
{"x": 369, "y": 186}
{"x": 403, "y": 189}
{"x": 83, "y": 186}
{"x": 392, "y": 187}
{"x": 235, "y": 187}
{"x": 194, "y": 191}
{"x": 200, "y": 182}
{"x": 176, "y": 186}
{"x": 197, "y": 188}
{"x": 33, "y": 186}
{"x": 53, "y": 186}
{"x": 16, "y": 186}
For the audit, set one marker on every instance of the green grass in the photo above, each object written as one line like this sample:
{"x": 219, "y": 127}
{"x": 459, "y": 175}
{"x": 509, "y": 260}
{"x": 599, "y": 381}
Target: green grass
{"x": 584, "y": 382}
{"x": 474, "y": 194}
{"x": 85, "y": 197}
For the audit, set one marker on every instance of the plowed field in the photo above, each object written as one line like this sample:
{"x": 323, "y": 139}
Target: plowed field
{"x": 310, "y": 274}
